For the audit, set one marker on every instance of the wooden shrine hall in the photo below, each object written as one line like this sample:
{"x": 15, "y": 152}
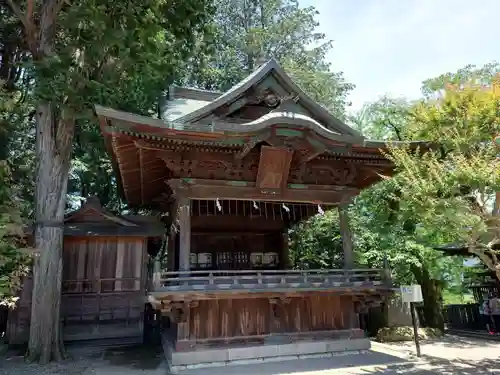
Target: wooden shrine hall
{"x": 232, "y": 172}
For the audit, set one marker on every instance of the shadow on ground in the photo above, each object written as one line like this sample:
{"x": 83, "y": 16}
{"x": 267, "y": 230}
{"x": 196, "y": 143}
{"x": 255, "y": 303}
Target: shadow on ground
{"x": 138, "y": 359}
{"x": 435, "y": 366}
{"x": 459, "y": 342}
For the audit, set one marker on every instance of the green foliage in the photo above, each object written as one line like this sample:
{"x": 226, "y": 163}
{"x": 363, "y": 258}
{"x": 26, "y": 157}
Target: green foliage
{"x": 385, "y": 119}
{"x": 121, "y": 55}
{"x": 245, "y": 32}
{"x": 451, "y": 190}
{"x": 13, "y": 260}
{"x": 383, "y": 227}
{"x": 316, "y": 243}
{"x": 118, "y": 54}
{"x": 451, "y": 297}
{"x": 469, "y": 73}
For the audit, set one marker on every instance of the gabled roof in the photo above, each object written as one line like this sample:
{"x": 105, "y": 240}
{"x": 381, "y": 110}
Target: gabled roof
{"x": 92, "y": 208}
{"x": 93, "y": 220}
{"x": 319, "y": 113}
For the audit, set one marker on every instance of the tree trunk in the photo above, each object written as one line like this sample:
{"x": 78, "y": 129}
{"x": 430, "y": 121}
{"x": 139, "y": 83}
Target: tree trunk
{"x": 431, "y": 293}
{"x": 53, "y": 151}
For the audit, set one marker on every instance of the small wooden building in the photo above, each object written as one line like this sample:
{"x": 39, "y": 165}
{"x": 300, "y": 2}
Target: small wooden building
{"x": 234, "y": 171}
{"x": 104, "y": 276}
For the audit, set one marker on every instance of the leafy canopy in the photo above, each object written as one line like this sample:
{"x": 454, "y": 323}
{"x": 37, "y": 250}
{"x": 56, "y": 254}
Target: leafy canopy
{"x": 452, "y": 189}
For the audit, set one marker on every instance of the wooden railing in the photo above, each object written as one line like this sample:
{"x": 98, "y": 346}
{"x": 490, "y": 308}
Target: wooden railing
{"x": 107, "y": 285}
{"x": 268, "y": 280}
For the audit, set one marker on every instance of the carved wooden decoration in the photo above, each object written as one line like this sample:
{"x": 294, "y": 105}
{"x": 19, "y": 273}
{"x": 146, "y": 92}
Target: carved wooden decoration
{"x": 274, "y": 166}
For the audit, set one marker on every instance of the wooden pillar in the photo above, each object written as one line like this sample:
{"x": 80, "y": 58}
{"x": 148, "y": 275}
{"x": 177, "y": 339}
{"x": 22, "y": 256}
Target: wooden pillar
{"x": 184, "y": 212}
{"x": 171, "y": 251}
{"x": 345, "y": 232}
{"x": 156, "y": 275}
{"x": 140, "y": 250}
{"x": 285, "y": 252}
{"x": 353, "y": 321}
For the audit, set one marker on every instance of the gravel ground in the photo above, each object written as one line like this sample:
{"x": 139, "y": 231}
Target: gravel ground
{"x": 16, "y": 365}
{"x": 89, "y": 361}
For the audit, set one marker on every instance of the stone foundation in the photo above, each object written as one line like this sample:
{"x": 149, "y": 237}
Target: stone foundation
{"x": 242, "y": 355}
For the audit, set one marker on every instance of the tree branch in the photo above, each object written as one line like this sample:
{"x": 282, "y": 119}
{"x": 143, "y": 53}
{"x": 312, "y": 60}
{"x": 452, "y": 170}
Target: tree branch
{"x": 19, "y": 14}
{"x": 28, "y": 23}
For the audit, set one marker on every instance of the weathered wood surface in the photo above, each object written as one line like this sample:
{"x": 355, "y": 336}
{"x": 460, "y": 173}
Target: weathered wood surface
{"x": 252, "y": 281}
{"x": 214, "y": 322}
{"x": 103, "y": 285}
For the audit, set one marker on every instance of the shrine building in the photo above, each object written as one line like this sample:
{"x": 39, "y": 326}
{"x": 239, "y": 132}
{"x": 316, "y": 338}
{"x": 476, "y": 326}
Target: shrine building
{"x": 232, "y": 172}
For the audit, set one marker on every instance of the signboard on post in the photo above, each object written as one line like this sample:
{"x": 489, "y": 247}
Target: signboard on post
{"x": 411, "y": 293}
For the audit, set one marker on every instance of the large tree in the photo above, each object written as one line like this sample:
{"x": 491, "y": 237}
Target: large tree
{"x": 385, "y": 227}
{"x": 453, "y": 188}
{"x": 246, "y": 32}
{"x": 112, "y": 53}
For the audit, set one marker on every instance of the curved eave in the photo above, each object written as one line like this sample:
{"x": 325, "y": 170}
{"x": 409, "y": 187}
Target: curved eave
{"x": 113, "y": 121}
{"x": 121, "y": 129}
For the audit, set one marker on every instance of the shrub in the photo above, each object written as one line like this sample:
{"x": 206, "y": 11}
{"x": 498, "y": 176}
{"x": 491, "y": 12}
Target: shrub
{"x": 405, "y": 333}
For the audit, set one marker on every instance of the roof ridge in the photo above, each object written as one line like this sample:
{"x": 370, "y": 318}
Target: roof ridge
{"x": 176, "y": 92}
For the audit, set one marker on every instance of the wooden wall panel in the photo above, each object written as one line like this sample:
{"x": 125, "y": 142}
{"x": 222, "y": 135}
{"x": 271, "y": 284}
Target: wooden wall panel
{"x": 108, "y": 253}
{"x": 244, "y": 318}
{"x": 132, "y": 263}
{"x": 90, "y": 303}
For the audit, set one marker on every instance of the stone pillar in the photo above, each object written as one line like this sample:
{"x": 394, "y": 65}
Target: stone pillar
{"x": 345, "y": 232}
{"x": 184, "y": 212}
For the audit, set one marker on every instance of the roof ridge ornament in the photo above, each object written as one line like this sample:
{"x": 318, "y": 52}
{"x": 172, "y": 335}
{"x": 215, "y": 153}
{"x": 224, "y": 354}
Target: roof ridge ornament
{"x": 259, "y": 61}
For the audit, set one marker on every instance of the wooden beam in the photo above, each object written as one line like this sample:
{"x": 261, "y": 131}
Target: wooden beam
{"x": 221, "y": 223}
{"x": 242, "y": 190}
{"x": 360, "y": 293}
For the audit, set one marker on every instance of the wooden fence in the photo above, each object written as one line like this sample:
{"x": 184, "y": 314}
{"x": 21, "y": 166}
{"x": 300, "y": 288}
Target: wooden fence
{"x": 464, "y": 316}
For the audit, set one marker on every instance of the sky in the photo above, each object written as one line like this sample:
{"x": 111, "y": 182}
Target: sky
{"x": 391, "y": 46}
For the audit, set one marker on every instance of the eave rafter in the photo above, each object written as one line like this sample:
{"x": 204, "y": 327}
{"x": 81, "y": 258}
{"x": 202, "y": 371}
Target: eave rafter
{"x": 127, "y": 164}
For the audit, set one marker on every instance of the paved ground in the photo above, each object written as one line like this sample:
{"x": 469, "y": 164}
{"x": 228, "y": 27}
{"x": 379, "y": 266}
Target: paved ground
{"x": 451, "y": 355}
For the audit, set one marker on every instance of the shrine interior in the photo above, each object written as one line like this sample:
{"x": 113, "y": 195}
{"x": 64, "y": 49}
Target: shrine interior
{"x": 241, "y": 235}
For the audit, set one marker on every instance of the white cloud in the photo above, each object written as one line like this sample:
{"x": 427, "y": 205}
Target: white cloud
{"x": 391, "y": 46}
